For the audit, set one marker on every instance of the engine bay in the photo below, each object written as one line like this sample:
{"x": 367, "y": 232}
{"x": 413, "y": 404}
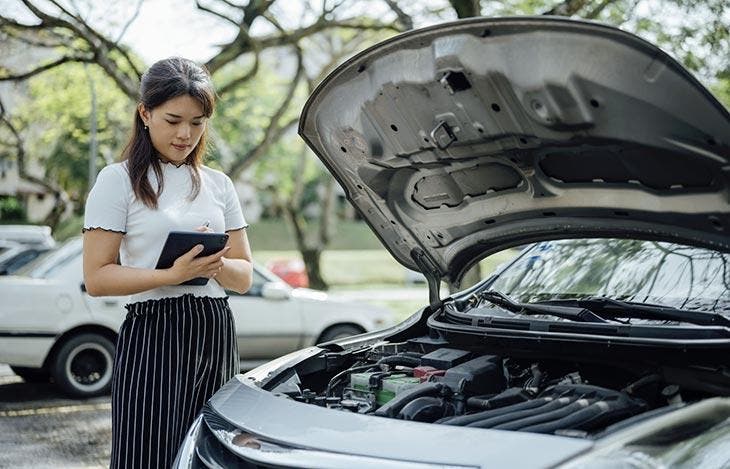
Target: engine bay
{"x": 429, "y": 381}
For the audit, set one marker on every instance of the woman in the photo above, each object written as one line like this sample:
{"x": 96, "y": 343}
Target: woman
{"x": 177, "y": 345}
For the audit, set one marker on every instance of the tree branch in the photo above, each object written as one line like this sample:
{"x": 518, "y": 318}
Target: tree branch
{"x": 272, "y": 129}
{"x": 403, "y": 17}
{"x": 567, "y": 8}
{"x": 243, "y": 44}
{"x": 129, "y": 22}
{"x": 202, "y": 7}
{"x": 100, "y": 47}
{"x": 595, "y": 11}
{"x": 244, "y": 78}
{"x": 43, "y": 68}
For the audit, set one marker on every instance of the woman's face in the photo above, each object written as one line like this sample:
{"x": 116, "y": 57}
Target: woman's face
{"x": 175, "y": 127}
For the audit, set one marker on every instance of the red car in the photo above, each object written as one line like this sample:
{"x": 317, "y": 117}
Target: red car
{"x": 292, "y": 271}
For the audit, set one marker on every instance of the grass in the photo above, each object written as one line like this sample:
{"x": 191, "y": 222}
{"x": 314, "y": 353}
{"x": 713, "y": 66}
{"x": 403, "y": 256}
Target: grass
{"x": 277, "y": 235}
{"x": 375, "y": 269}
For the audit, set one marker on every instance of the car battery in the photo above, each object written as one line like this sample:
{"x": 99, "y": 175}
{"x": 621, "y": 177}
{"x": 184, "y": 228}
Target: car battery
{"x": 360, "y": 381}
{"x": 394, "y": 385}
{"x": 424, "y": 373}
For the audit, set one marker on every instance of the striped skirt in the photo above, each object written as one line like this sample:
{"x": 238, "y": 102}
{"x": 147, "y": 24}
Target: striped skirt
{"x": 172, "y": 354}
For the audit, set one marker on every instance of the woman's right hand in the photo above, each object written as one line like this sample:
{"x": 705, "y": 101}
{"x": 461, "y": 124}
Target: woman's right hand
{"x": 188, "y": 267}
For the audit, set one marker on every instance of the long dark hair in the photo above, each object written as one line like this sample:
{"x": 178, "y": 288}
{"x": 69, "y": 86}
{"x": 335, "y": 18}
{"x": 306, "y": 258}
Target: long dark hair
{"x": 166, "y": 79}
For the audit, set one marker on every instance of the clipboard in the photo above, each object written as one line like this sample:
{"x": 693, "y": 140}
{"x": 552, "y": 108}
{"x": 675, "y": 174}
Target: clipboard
{"x": 180, "y": 242}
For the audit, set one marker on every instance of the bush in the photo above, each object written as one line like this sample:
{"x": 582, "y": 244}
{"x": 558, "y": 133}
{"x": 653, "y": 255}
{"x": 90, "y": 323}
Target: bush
{"x": 11, "y": 209}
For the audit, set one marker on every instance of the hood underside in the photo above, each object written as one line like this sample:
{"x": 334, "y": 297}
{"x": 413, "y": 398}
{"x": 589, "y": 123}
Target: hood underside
{"x": 465, "y": 138}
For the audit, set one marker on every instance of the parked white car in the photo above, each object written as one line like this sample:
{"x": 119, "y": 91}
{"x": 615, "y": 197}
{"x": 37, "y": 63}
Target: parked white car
{"x": 32, "y": 235}
{"x": 50, "y": 328}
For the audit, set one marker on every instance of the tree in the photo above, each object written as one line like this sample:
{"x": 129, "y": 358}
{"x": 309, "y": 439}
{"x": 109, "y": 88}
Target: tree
{"x": 323, "y": 35}
{"x": 59, "y": 109}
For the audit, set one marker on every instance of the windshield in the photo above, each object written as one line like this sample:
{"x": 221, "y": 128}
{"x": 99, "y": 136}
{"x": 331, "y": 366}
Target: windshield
{"x": 48, "y": 262}
{"x": 630, "y": 270}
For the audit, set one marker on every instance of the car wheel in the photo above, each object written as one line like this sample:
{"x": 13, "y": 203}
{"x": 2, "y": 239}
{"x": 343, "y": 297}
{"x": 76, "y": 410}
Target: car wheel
{"x": 338, "y": 332}
{"x": 82, "y": 366}
{"x": 31, "y": 375}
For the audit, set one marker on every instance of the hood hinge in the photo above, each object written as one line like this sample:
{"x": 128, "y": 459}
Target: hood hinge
{"x": 433, "y": 275}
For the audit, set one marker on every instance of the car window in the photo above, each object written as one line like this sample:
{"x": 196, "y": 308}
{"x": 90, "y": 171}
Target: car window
{"x": 20, "y": 259}
{"x": 52, "y": 262}
{"x": 631, "y": 270}
{"x": 257, "y": 283}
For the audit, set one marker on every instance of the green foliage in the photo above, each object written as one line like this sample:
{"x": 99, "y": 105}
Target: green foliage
{"x": 243, "y": 113}
{"x": 59, "y": 105}
{"x": 721, "y": 89}
{"x": 11, "y": 209}
{"x": 69, "y": 228}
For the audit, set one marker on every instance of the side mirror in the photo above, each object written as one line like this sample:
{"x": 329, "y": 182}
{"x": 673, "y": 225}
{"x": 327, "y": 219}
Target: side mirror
{"x": 275, "y": 291}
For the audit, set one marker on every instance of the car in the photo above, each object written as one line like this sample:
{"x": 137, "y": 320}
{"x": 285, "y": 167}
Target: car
{"x": 292, "y": 271}
{"x": 15, "y": 257}
{"x": 606, "y": 343}
{"x": 31, "y": 235}
{"x": 52, "y": 329}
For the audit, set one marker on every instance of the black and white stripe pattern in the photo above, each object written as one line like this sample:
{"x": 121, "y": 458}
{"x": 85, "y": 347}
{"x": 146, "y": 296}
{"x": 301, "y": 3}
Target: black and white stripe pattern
{"x": 172, "y": 355}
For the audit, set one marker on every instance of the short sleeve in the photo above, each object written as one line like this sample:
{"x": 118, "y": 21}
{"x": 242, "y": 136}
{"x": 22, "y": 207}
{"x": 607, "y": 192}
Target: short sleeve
{"x": 108, "y": 200}
{"x": 234, "y": 219}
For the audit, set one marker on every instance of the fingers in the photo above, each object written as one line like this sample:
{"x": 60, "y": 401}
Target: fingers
{"x": 204, "y": 229}
{"x": 213, "y": 270}
{"x": 197, "y": 249}
{"x": 214, "y": 257}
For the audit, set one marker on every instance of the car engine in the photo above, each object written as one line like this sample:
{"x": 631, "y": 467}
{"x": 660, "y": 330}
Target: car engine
{"x": 421, "y": 381}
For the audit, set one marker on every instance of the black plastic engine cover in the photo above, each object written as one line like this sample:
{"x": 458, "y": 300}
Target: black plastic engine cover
{"x": 481, "y": 375}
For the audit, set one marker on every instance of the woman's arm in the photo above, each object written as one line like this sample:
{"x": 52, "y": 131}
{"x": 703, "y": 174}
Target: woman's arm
{"x": 104, "y": 277}
{"x": 236, "y": 272}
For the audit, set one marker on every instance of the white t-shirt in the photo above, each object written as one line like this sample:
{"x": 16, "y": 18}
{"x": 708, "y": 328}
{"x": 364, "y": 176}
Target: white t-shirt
{"x": 112, "y": 205}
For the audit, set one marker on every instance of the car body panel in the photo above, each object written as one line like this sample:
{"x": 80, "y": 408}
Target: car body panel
{"x": 52, "y": 303}
{"x": 464, "y": 138}
{"x": 289, "y": 423}
{"x": 31, "y": 235}
{"x": 266, "y": 335}
{"x": 24, "y": 350}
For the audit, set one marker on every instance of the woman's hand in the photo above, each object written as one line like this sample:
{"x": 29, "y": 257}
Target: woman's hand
{"x": 188, "y": 267}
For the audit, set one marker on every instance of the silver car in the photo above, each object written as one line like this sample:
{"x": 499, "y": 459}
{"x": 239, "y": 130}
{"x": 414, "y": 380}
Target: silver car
{"x": 605, "y": 344}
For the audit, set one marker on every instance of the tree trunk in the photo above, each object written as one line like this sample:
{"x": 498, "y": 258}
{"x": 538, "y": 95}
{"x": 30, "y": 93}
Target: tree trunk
{"x": 312, "y": 258}
{"x": 466, "y": 8}
{"x": 59, "y": 208}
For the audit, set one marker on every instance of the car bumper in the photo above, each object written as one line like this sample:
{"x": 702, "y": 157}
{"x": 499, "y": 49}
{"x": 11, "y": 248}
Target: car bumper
{"x": 29, "y": 351}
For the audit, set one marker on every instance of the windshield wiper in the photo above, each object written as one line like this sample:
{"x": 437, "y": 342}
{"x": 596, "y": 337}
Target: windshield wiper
{"x": 574, "y": 313}
{"x": 628, "y": 309}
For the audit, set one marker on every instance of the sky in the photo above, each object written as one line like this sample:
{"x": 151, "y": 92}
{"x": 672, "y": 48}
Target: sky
{"x": 165, "y": 28}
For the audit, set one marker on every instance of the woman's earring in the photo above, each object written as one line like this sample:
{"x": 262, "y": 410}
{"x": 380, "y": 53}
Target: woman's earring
{"x": 145, "y": 127}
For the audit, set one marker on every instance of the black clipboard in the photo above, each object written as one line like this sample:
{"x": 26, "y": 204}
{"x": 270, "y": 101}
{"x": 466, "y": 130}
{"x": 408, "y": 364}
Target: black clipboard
{"x": 180, "y": 242}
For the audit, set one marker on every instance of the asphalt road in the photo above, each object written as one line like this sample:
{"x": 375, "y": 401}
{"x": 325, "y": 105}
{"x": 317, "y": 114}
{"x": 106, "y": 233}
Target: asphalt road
{"x": 40, "y": 428}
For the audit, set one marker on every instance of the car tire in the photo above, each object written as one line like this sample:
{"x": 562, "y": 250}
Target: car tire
{"x": 338, "y": 332}
{"x": 82, "y": 365}
{"x": 31, "y": 375}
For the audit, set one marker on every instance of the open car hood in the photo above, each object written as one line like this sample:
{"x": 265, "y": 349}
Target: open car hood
{"x": 465, "y": 138}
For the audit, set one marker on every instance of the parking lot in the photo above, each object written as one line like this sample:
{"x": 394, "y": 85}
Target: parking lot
{"x": 41, "y": 428}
